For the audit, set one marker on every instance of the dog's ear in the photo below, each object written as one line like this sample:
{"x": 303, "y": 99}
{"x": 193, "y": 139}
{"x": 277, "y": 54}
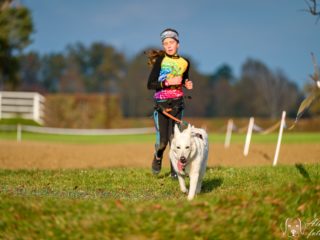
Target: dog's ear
{"x": 286, "y": 226}
{"x": 189, "y": 129}
{"x": 176, "y": 129}
{"x": 204, "y": 127}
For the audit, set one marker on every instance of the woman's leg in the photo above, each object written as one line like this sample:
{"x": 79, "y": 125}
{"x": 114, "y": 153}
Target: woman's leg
{"x": 178, "y": 114}
{"x": 162, "y": 139}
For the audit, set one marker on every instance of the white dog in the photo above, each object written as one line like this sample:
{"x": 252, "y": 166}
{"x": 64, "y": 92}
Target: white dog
{"x": 293, "y": 227}
{"x": 188, "y": 155}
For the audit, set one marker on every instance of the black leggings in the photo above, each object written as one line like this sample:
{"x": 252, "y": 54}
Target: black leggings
{"x": 165, "y": 125}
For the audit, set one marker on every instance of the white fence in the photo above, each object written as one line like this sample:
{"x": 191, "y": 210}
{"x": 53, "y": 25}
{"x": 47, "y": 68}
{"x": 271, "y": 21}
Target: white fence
{"x": 27, "y": 105}
{"x": 67, "y": 131}
{"x": 86, "y": 132}
{"x": 253, "y": 127}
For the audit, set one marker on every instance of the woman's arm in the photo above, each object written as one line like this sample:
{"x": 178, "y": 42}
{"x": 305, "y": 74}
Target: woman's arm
{"x": 185, "y": 75}
{"x": 185, "y": 78}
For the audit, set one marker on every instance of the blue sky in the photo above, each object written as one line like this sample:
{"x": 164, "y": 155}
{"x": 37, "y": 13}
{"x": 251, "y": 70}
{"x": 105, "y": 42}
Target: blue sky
{"x": 212, "y": 32}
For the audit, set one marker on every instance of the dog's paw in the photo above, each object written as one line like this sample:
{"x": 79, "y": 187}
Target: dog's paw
{"x": 184, "y": 190}
{"x": 190, "y": 197}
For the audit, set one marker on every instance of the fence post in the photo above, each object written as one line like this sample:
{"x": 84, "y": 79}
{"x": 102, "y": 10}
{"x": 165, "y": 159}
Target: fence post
{"x": 19, "y": 133}
{"x": 276, "y": 155}
{"x": 36, "y": 107}
{"x": 228, "y": 134}
{"x": 248, "y": 137}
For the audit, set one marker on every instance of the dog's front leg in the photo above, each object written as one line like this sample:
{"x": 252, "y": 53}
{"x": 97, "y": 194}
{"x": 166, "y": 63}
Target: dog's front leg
{"x": 193, "y": 185}
{"x": 182, "y": 184}
{"x": 198, "y": 188}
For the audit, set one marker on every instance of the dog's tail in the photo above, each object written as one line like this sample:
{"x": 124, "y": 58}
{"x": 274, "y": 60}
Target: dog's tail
{"x": 204, "y": 127}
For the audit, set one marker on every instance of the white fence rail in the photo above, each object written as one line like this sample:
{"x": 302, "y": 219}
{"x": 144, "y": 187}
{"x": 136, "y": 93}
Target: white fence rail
{"x": 27, "y": 105}
{"x": 253, "y": 127}
{"x": 69, "y": 131}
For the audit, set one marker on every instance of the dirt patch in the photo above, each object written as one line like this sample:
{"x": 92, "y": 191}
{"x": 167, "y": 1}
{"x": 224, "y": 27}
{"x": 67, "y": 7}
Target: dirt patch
{"x": 37, "y": 155}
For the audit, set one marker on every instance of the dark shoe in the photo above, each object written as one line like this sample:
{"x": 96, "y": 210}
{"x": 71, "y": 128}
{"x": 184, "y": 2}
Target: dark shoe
{"x": 174, "y": 176}
{"x": 156, "y": 165}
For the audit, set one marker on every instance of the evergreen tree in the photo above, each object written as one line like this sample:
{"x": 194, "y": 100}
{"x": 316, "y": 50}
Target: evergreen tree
{"x": 16, "y": 28}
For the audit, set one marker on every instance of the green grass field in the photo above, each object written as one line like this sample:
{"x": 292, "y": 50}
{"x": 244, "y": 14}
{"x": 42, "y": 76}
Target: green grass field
{"x": 213, "y": 137}
{"x": 128, "y": 203}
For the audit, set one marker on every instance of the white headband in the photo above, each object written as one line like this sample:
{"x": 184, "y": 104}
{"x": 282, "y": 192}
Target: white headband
{"x": 169, "y": 34}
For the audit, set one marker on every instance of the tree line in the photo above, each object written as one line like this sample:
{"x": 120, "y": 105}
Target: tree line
{"x": 101, "y": 68}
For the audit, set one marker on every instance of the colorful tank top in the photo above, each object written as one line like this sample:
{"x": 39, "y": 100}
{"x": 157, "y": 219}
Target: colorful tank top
{"x": 172, "y": 67}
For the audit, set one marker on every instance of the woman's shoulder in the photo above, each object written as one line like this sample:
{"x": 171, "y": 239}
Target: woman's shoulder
{"x": 160, "y": 57}
{"x": 185, "y": 59}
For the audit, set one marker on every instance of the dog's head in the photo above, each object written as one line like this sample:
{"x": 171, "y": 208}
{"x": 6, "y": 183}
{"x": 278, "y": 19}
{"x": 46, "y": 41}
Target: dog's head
{"x": 293, "y": 227}
{"x": 181, "y": 146}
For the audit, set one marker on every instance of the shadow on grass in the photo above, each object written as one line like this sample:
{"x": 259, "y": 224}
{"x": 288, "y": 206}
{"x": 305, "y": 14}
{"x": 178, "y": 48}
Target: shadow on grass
{"x": 209, "y": 185}
{"x": 303, "y": 171}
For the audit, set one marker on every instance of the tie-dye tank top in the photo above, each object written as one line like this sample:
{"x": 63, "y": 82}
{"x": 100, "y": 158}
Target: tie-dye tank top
{"x": 171, "y": 67}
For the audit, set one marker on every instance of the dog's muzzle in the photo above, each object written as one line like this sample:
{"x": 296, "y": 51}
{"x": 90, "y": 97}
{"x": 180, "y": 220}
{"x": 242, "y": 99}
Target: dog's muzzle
{"x": 182, "y": 163}
{"x": 183, "y": 160}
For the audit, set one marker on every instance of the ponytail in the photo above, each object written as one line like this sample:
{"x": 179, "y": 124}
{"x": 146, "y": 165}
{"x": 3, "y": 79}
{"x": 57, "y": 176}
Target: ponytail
{"x": 152, "y": 55}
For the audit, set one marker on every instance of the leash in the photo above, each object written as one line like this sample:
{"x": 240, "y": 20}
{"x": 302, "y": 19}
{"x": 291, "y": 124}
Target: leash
{"x": 174, "y": 118}
{"x": 166, "y": 111}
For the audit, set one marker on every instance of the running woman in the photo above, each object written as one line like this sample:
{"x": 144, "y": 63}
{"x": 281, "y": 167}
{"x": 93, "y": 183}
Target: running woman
{"x": 170, "y": 73}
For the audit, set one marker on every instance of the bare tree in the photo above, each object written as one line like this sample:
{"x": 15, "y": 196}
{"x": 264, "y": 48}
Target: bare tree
{"x": 270, "y": 92}
{"x": 313, "y": 96}
{"x": 312, "y": 8}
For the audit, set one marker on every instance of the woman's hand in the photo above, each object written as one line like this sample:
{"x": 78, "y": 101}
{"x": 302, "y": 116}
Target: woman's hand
{"x": 188, "y": 84}
{"x": 174, "y": 81}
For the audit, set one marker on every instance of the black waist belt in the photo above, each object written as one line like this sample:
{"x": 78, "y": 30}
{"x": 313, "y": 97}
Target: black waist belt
{"x": 169, "y": 103}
